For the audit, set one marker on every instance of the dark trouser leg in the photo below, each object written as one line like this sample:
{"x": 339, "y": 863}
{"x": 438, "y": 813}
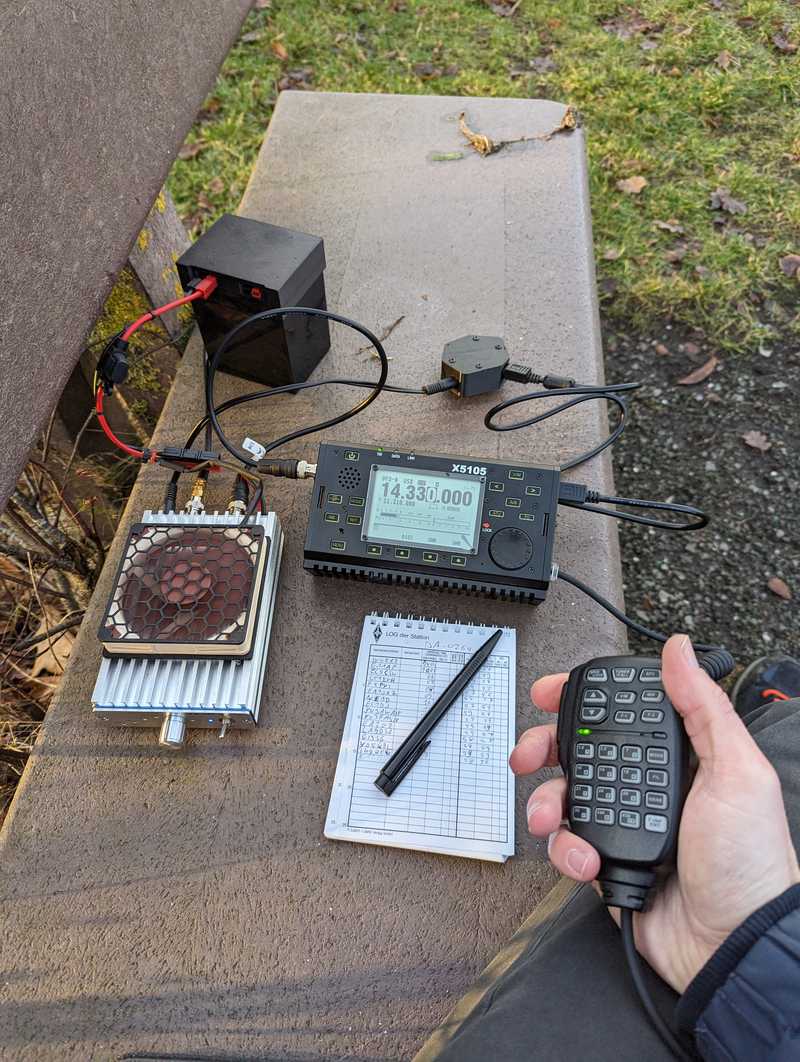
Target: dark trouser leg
{"x": 560, "y": 990}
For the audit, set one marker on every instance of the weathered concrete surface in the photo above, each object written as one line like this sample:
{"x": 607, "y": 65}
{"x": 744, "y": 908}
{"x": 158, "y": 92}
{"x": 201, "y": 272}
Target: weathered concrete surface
{"x": 96, "y": 96}
{"x": 188, "y": 903}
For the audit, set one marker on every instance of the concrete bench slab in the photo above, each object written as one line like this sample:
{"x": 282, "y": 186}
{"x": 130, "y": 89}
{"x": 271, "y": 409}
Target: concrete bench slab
{"x": 188, "y": 903}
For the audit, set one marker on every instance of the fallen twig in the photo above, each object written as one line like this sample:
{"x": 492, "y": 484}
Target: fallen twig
{"x": 484, "y": 145}
{"x": 384, "y": 335}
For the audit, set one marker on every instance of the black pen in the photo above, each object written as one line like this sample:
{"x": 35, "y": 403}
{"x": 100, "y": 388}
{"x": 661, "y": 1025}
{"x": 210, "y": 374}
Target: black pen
{"x": 400, "y": 763}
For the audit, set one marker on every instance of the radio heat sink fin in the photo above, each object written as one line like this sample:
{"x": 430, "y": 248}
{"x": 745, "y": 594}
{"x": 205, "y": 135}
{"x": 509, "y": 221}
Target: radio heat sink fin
{"x": 186, "y": 591}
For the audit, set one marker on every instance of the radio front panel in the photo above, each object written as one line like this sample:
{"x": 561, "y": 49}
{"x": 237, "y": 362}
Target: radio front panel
{"x": 426, "y": 519}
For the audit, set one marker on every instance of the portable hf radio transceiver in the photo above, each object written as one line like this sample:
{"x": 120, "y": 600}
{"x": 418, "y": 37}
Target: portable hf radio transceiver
{"x": 429, "y": 520}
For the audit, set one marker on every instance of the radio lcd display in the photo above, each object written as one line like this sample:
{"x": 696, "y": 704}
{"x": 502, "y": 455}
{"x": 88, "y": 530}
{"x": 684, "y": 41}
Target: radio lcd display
{"x": 420, "y": 508}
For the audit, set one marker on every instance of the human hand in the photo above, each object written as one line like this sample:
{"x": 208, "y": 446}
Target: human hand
{"x": 735, "y": 852}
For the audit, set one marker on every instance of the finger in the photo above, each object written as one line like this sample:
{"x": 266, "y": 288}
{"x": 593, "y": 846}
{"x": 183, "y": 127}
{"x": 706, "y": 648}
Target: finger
{"x": 536, "y": 748}
{"x": 546, "y": 807}
{"x": 715, "y": 730}
{"x": 574, "y": 857}
{"x": 546, "y": 691}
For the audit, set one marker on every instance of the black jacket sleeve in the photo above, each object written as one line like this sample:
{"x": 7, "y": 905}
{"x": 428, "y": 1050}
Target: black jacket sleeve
{"x": 745, "y": 1002}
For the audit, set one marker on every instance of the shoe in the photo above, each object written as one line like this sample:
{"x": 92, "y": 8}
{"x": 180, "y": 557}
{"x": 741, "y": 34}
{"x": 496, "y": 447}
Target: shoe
{"x": 770, "y": 678}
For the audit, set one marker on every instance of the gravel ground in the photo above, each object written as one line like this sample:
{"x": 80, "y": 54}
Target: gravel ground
{"x": 685, "y": 443}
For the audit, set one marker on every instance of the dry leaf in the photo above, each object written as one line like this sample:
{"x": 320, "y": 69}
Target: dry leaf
{"x": 724, "y": 59}
{"x": 632, "y": 185}
{"x": 53, "y": 653}
{"x": 251, "y": 37}
{"x": 612, "y": 254}
{"x": 216, "y": 186}
{"x": 279, "y": 50}
{"x": 721, "y": 199}
{"x": 779, "y": 588}
{"x": 698, "y": 375}
{"x": 673, "y": 225}
{"x": 300, "y": 77}
{"x": 677, "y": 253}
{"x": 790, "y": 265}
{"x": 426, "y": 71}
{"x": 757, "y": 440}
{"x": 262, "y": 5}
{"x": 783, "y": 44}
{"x": 484, "y": 145}
{"x": 190, "y": 151}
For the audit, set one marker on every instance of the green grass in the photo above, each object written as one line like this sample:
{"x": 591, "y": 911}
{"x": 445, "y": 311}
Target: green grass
{"x": 670, "y": 113}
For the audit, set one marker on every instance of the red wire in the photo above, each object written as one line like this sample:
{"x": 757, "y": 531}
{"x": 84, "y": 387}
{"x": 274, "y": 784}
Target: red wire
{"x": 105, "y": 426}
{"x": 204, "y": 289}
{"x": 126, "y": 335}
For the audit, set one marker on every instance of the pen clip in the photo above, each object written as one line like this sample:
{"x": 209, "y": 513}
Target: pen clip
{"x": 392, "y": 783}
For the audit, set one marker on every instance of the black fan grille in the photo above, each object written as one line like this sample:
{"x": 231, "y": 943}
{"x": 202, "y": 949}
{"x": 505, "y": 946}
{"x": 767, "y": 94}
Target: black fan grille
{"x": 184, "y": 584}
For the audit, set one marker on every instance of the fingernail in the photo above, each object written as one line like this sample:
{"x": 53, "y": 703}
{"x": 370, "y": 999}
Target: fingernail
{"x": 577, "y": 861}
{"x": 550, "y": 840}
{"x": 688, "y": 652}
{"x": 533, "y": 805}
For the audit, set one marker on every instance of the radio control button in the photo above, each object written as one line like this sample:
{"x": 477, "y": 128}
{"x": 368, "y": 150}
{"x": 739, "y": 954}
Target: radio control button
{"x": 497, "y": 486}
{"x": 339, "y": 544}
{"x": 333, "y": 499}
{"x": 594, "y": 696}
{"x": 584, "y": 750}
{"x": 535, "y": 491}
{"x": 631, "y": 775}
{"x": 510, "y": 548}
{"x": 350, "y": 455}
{"x": 356, "y": 501}
{"x": 653, "y": 696}
{"x": 624, "y": 697}
{"x": 374, "y": 551}
{"x": 430, "y": 558}
{"x": 630, "y": 820}
{"x": 402, "y": 553}
{"x": 650, "y": 674}
{"x": 516, "y": 473}
{"x": 580, "y": 813}
{"x": 623, "y": 674}
{"x": 604, "y": 816}
{"x": 458, "y": 562}
{"x": 655, "y": 823}
{"x": 606, "y": 772}
{"x": 596, "y": 674}
{"x": 584, "y": 771}
{"x": 591, "y": 713}
{"x": 652, "y": 715}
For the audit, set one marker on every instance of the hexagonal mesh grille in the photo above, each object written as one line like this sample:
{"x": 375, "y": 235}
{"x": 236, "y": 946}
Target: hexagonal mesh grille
{"x": 349, "y": 478}
{"x": 185, "y": 586}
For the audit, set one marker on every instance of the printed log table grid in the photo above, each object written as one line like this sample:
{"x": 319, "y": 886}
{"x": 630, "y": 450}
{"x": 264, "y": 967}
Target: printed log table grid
{"x": 460, "y": 785}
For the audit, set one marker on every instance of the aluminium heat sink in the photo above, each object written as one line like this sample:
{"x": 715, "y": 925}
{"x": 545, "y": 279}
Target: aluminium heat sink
{"x": 190, "y": 688}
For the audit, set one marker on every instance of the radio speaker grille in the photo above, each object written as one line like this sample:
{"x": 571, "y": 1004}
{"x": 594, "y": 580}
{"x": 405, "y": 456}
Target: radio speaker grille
{"x": 349, "y": 478}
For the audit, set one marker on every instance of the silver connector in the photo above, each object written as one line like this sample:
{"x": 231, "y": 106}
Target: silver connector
{"x": 305, "y": 470}
{"x": 173, "y": 731}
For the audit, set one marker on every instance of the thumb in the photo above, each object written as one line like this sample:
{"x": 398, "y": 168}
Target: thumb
{"x": 716, "y": 732}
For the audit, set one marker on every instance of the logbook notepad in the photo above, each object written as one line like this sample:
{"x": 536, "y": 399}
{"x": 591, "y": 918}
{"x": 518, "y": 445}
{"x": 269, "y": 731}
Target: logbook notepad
{"x": 458, "y": 798}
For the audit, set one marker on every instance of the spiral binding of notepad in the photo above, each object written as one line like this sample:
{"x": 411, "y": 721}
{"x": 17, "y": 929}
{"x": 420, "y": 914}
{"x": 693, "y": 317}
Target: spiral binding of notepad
{"x": 431, "y": 623}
